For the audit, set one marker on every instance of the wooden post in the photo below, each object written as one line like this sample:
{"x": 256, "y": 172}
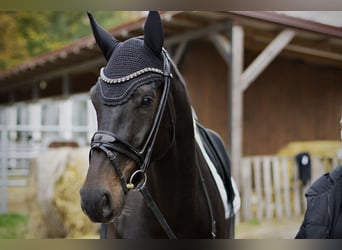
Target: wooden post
{"x": 35, "y": 120}
{"x": 260, "y": 204}
{"x": 246, "y": 179}
{"x": 66, "y": 85}
{"x": 236, "y": 100}
{"x": 4, "y": 162}
{"x": 65, "y": 119}
{"x": 268, "y": 188}
{"x": 286, "y": 186}
{"x": 277, "y": 185}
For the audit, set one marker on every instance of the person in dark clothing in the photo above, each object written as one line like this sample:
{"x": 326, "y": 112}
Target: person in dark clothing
{"x": 323, "y": 216}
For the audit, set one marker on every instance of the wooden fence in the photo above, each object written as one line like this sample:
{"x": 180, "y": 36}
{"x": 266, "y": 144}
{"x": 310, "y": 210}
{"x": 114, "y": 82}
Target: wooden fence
{"x": 16, "y": 156}
{"x": 271, "y": 188}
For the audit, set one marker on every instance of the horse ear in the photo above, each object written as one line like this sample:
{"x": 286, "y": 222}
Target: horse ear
{"x": 104, "y": 40}
{"x": 153, "y": 32}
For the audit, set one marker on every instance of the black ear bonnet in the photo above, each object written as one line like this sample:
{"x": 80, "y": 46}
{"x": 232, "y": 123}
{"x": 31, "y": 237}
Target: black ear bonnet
{"x": 132, "y": 63}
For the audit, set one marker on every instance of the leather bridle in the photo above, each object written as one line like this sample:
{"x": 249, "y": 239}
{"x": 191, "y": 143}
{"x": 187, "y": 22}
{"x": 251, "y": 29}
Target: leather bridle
{"x": 110, "y": 144}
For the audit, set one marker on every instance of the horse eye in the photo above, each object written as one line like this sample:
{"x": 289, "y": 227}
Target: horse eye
{"x": 147, "y": 101}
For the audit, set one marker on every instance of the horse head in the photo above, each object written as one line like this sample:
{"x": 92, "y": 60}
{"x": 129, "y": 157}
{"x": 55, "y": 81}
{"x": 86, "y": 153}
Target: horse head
{"x": 127, "y": 98}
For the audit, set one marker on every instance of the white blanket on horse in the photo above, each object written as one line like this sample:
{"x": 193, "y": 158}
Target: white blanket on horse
{"x": 218, "y": 179}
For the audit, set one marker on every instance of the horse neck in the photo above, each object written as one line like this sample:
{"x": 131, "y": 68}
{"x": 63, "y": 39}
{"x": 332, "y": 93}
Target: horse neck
{"x": 175, "y": 176}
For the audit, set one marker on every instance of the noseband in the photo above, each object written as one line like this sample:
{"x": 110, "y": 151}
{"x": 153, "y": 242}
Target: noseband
{"x": 110, "y": 144}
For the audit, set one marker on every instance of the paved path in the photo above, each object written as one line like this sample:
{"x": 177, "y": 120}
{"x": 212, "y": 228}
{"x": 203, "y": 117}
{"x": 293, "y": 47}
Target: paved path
{"x": 271, "y": 229}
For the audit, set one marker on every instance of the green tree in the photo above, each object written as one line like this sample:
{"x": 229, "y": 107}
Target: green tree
{"x": 12, "y": 43}
{"x": 26, "y": 34}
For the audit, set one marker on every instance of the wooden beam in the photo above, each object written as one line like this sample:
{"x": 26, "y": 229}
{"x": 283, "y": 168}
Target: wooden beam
{"x": 315, "y": 52}
{"x": 195, "y": 34}
{"x": 266, "y": 57}
{"x": 236, "y": 100}
{"x": 75, "y": 68}
{"x": 177, "y": 57}
{"x": 328, "y": 47}
{"x": 223, "y": 46}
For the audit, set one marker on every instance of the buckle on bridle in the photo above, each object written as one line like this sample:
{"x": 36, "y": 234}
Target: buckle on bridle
{"x": 111, "y": 156}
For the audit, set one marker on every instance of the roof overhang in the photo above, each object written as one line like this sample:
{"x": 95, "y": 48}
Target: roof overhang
{"x": 314, "y": 42}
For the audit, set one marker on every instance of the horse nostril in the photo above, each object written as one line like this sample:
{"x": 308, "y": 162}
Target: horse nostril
{"x": 97, "y": 204}
{"x": 106, "y": 205}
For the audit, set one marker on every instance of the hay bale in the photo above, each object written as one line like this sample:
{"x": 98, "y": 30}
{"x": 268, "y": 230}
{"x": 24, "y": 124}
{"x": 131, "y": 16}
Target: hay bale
{"x": 67, "y": 196}
{"x": 55, "y": 210}
{"x": 314, "y": 148}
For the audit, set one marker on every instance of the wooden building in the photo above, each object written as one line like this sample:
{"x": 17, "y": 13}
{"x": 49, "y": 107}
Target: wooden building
{"x": 260, "y": 79}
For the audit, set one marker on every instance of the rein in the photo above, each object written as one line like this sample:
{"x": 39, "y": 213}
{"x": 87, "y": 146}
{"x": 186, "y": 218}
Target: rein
{"x": 108, "y": 142}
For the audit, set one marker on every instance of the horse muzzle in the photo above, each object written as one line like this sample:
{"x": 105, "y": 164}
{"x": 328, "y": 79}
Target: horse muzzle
{"x": 97, "y": 204}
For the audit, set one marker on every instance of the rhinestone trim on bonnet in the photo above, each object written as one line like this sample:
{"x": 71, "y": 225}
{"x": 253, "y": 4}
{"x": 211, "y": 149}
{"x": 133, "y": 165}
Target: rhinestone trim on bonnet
{"x": 128, "y": 77}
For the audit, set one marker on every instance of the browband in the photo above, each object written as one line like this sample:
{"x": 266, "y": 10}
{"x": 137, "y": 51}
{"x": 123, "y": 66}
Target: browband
{"x": 106, "y": 79}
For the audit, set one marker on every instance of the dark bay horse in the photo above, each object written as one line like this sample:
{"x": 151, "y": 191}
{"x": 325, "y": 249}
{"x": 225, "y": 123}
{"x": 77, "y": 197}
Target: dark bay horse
{"x": 148, "y": 176}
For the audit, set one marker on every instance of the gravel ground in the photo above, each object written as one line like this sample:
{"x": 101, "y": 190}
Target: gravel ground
{"x": 270, "y": 229}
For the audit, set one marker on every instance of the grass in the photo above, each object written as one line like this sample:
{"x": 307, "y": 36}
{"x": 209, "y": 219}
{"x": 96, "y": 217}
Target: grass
{"x": 12, "y": 226}
{"x": 254, "y": 221}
